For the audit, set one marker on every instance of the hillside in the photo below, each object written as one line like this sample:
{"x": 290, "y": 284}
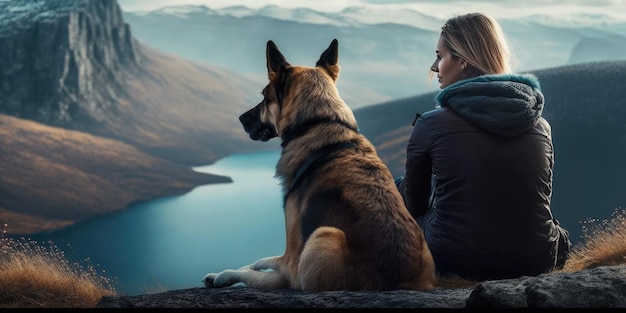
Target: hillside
{"x": 92, "y": 121}
{"x": 585, "y": 106}
{"x": 51, "y": 177}
{"x": 184, "y": 111}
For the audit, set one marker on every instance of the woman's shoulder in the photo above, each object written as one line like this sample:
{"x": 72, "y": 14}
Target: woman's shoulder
{"x": 543, "y": 127}
{"x": 437, "y": 114}
{"x": 434, "y": 112}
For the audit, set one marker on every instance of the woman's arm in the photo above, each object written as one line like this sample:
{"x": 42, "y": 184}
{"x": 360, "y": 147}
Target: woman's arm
{"x": 416, "y": 184}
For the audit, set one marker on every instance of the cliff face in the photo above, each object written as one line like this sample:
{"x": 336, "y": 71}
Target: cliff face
{"x": 64, "y": 63}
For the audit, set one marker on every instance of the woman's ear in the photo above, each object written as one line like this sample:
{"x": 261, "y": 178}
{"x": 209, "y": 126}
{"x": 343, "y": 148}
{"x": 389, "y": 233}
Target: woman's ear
{"x": 463, "y": 64}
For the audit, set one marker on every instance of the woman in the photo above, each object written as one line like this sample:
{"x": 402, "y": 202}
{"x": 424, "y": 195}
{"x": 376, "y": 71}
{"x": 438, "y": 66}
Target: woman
{"x": 479, "y": 167}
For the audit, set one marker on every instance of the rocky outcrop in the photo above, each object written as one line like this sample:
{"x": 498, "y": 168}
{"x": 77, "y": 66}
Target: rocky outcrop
{"x": 601, "y": 287}
{"x": 62, "y": 60}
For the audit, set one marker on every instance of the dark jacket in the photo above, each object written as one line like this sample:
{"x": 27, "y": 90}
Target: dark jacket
{"x": 489, "y": 154}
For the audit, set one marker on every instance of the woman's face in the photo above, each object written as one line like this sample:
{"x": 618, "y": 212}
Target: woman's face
{"x": 449, "y": 69}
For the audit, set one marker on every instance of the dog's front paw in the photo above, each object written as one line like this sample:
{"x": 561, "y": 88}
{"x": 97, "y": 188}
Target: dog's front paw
{"x": 222, "y": 279}
{"x": 209, "y": 279}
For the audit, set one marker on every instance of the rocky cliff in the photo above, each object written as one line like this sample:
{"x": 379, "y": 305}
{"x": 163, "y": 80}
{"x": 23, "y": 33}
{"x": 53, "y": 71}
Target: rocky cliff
{"x": 601, "y": 287}
{"x": 64, "y": 62}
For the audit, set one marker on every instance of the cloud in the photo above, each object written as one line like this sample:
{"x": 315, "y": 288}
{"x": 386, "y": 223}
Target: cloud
{"x": 525, "y": 3}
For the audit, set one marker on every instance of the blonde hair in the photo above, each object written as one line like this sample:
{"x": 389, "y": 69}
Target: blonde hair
{"x": 478, "y": 39}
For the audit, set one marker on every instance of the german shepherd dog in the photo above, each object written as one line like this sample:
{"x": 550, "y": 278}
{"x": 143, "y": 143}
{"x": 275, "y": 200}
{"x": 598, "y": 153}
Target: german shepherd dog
{"x": 347, "y": 227}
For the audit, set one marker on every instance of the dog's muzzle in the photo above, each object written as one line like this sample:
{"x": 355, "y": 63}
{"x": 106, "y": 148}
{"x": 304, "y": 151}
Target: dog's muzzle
{"x": 252, "y": 124}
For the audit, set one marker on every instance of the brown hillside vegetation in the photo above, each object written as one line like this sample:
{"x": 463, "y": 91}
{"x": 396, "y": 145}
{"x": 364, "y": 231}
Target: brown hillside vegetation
{"x": 51, "y": 177}
{"x": 184, "y": 111}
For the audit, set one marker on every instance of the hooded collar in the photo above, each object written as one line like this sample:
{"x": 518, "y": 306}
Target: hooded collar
{"x": 504, "y": 104}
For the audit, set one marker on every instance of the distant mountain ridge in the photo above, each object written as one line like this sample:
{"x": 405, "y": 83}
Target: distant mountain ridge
{"x": 359, "y": 15}
{"x": 385, "y": 54}
{"x": 350, "y": 16}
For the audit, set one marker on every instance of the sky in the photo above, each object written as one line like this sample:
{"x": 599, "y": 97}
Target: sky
{"x": 438, "y": 8}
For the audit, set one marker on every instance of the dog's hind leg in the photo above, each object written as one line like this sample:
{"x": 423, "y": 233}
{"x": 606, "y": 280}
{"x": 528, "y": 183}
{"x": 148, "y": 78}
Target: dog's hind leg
{"x": 324, "y": 260}
{"x": 270, "y": 262}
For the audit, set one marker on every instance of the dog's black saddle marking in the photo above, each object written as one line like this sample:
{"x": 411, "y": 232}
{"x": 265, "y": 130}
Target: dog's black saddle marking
{"x": 319, "y": 157}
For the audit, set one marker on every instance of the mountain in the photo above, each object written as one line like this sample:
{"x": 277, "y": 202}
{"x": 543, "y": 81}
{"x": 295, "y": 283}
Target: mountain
{"x": 92, "y": 121}
{"x": 74, "y": 64}
{"x": 385, "y": 54}
{"x": 585, "y": 107}
{"x": 590, "y": 49}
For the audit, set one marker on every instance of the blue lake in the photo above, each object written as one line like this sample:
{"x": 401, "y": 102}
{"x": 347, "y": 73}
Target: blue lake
{"x": 171, "y": 243}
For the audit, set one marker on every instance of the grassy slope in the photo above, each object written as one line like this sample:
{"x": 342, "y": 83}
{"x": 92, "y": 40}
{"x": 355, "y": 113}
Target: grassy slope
{"x": 182, "y": 110}
{"x": 51, "y": 177}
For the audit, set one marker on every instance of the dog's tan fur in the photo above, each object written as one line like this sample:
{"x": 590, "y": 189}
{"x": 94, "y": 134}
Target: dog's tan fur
{"x": 360, "y": 234}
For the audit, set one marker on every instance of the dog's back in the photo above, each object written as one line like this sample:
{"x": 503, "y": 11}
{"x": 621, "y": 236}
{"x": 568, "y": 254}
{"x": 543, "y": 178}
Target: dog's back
{"x": 354, "y": 192}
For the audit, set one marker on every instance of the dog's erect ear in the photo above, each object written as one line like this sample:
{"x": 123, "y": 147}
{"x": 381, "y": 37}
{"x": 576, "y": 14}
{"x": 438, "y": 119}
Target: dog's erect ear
{"x": 275, "y": 60}
{"x": 329, "y": 59}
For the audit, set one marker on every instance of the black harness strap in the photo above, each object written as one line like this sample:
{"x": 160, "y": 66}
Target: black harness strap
{"x": 296, "y": 131}
{"x": 318, "y": 158}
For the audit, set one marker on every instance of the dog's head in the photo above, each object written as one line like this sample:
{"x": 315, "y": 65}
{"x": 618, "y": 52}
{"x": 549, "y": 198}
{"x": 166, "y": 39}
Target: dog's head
{"x": 268, "y": 118}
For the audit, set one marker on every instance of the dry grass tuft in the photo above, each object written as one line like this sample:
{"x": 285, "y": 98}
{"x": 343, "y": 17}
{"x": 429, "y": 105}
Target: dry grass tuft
{"x": 33, "y": 275}
{"x": 604, "y": 243}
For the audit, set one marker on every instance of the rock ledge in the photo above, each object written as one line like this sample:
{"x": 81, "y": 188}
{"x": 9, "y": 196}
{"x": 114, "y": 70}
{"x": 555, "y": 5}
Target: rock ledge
{"x": 601, "y": 287}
